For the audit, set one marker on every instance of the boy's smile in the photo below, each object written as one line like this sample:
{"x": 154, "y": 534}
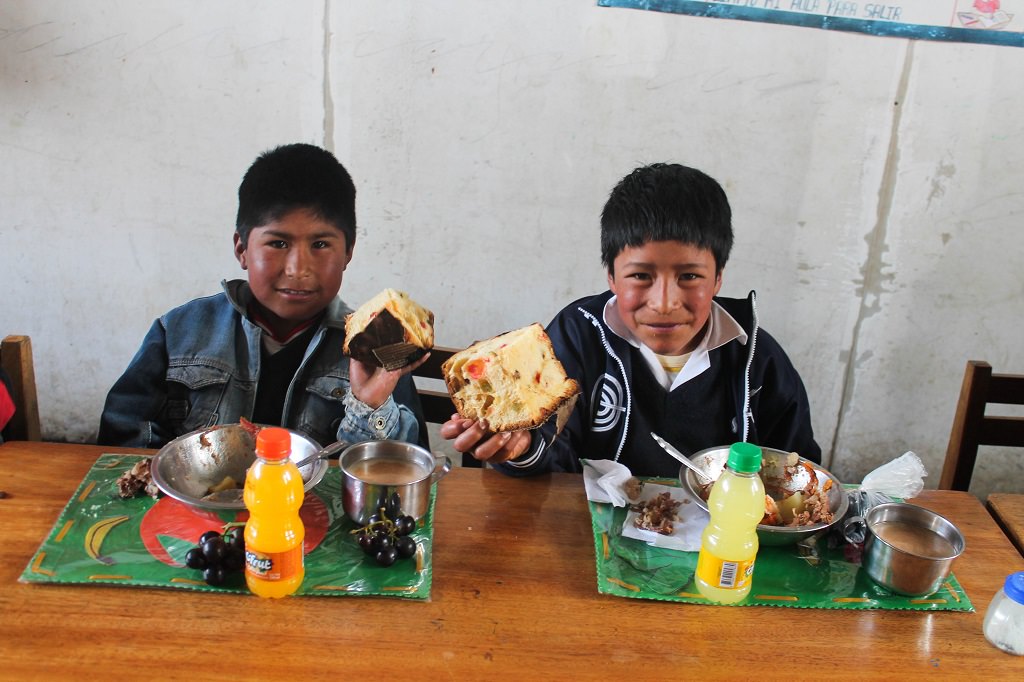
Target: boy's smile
{"x": 295, "y": 267}
{"x": 663, "y": 293}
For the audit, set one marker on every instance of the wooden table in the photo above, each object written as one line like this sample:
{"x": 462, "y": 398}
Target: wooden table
{"x": 514, "y": 597}
{"x": 1008, "y": 508}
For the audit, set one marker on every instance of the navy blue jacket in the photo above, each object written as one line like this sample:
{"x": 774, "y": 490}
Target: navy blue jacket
{"x": 759, "y": 397}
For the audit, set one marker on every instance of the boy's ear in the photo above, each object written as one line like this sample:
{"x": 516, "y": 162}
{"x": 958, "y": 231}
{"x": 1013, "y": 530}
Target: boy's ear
{"x": 718, "y": 281}
{"x": 240, "y": 251}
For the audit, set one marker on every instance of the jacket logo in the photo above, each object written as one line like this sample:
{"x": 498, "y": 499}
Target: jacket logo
{"x": 608, "y": 400}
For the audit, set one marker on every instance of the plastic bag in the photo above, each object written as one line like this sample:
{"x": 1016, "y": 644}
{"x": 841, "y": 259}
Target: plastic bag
{"x": 901, "y": 478}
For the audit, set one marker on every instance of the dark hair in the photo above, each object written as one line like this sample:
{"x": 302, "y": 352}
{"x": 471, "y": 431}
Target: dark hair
{"x": 666, "y": 202}
{"x": 292, "y": 177}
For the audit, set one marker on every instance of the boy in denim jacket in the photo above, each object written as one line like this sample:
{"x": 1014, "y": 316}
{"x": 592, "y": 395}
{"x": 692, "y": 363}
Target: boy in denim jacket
{"x": 270, "y": 349}
{"x": 660, "y": 351}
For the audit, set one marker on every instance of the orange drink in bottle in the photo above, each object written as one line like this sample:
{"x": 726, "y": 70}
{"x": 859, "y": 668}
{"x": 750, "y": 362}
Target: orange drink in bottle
{"x": 274, "y": 559}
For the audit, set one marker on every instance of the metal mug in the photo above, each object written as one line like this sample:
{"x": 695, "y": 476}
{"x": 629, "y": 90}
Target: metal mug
{"x": 361, "y": 498}
{"x": 901, "y": 568}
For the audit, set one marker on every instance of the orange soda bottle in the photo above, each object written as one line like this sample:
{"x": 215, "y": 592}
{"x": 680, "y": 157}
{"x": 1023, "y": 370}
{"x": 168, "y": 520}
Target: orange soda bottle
{"x": 274, "y": 559}
{"x": 725, "y": 566}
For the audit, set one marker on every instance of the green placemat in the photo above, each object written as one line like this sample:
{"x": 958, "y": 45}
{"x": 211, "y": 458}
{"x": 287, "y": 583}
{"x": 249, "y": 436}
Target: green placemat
{"x": 832, "y": 580}
{"x": 100, "y": 538}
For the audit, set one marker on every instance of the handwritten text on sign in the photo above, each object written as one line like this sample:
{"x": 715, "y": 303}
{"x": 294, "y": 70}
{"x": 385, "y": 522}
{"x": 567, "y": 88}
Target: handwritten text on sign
{"x": 998, "y": 22}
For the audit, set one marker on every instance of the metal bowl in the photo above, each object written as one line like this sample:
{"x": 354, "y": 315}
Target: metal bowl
{"x": 712, "y": 463}
{"x": 188, "y": 466}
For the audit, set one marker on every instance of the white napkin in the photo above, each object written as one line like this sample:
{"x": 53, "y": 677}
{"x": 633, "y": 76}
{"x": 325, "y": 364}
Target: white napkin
{"x": 687, "y": 529}
{"x": 604, "y": 480}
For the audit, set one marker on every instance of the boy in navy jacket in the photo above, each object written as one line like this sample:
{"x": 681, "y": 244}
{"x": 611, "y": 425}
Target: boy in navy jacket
{"x": 659, "y": 351}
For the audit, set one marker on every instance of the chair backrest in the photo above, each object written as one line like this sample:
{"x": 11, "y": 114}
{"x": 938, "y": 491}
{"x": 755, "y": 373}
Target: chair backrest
{"x": 972, "y": 427}
{"x": 16, "y": 359}
{"x": 434, "y": 399}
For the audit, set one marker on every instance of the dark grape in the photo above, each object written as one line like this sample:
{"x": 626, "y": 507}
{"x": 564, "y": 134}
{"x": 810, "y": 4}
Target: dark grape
{"x": 235, "y": 538}
{"x": 386, "y": 557}
{"x": 214, "y": 575}
{"x": 365, "y": 541}
{"x": 234, "y": 560}
{"x": 405, "y": 546}
{"x": 383, "y": 541}
{"x": 194, "y": 558}
{"x": 214, "y": 550}
{"x": 393, "y": 508}
{"x": 375, "y": 519}
{"x": 405, "y": 525}
{"x": 208, "y": 535}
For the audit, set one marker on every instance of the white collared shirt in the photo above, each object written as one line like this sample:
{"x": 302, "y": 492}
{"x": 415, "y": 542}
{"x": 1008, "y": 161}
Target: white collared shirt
{"x": 721, "y": 329}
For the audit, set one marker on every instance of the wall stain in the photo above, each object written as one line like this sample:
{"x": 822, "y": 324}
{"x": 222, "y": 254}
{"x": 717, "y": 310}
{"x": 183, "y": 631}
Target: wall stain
{"x": 874, "y": 278}
{"x": 943, "y": 172}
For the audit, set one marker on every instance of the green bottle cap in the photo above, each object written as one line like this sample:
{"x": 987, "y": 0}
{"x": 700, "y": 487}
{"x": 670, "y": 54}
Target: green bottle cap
{"x": 744, "y": 458}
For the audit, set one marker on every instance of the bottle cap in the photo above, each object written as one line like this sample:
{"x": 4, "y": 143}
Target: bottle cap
{"x": 273, "y": 443}
{"x": 1014, "y": 587}
{"x": 744, "y": 458}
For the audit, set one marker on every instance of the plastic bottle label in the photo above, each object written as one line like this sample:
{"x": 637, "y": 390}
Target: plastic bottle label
{"x": 274, "y": 566}
{"x": 727, "y": 575}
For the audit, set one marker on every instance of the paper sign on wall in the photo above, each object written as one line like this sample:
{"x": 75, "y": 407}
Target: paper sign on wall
{"x": 996, "y": 22}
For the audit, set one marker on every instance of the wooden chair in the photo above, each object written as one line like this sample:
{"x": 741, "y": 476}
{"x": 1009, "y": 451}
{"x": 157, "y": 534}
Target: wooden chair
{"x": 16, "y": 359}
{"x": 972, "y": 427}
{"x": 434, "y": 399}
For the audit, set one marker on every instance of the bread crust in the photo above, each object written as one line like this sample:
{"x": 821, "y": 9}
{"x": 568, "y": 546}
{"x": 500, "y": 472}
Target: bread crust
{"x": 386, "y": 326}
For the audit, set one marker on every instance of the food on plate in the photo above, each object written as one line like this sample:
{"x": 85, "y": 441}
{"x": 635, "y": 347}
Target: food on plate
{"x": 513, "y": 380}
{"x": 390, "y": 330}
{"x": 657, "y": 514}
{"x": 632, "y": 488}
{"x": 252, "y": 429}
{"x": 784, "y": 506}
{"x": 803, "y": 507}
{"x": 226, "y": 483}
{"x": 136, "y": 480}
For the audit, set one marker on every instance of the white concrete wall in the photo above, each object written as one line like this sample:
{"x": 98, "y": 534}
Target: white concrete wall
{"x": 876, "y": 182}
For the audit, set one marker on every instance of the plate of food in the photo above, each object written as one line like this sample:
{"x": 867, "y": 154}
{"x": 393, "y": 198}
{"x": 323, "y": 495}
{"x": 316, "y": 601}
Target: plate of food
{"x": 802, "y": 498}
{"x": 665, "y": 516}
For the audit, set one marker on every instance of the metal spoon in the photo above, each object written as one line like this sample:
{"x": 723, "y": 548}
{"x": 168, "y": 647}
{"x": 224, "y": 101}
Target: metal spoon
{"x": 320, "y": 454}
{"x": 683, "y": 459}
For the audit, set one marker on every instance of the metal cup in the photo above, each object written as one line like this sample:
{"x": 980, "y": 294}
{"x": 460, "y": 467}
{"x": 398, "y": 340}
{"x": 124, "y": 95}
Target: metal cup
{"x": 914, "y": 565}
{"x": 362, "y": 498}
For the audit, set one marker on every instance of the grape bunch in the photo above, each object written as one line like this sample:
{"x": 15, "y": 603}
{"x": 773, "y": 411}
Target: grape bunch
{"x": 218, "y": 555}
{"x": 386, "y": 536}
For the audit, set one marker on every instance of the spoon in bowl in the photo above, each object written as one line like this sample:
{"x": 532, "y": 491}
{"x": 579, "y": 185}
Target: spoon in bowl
{"x": 683, "y": 459}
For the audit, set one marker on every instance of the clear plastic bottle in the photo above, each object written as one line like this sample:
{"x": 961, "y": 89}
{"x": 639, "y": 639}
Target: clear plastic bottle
{"x": 725, "y": 567}
{"x": 274, "y": 559}
{"x": 1004, "y": 619}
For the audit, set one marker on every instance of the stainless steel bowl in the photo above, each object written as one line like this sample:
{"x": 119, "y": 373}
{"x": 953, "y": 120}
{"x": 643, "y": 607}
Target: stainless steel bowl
{"x": 712, "y": 463}
{"x": 188, "y": 466}
{"x": 911, "y": 549}
{"x": 402, "y": 468}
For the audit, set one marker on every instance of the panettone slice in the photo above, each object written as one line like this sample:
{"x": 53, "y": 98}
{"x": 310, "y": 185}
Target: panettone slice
{"x": 390, "y": 330}
{"x": 514, "y": 381}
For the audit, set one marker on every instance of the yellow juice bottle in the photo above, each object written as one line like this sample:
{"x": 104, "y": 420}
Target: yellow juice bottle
{"x": 725, "y": 567}
{"x": 274, "y": 560}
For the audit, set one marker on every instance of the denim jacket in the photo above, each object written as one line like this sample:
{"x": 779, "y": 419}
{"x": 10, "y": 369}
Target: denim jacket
{"x": 199, "y": 366}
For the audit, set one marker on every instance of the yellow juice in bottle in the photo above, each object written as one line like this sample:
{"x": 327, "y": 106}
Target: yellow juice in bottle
{"x": 725, "y": 567}
{"x": 274, "y": 559}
